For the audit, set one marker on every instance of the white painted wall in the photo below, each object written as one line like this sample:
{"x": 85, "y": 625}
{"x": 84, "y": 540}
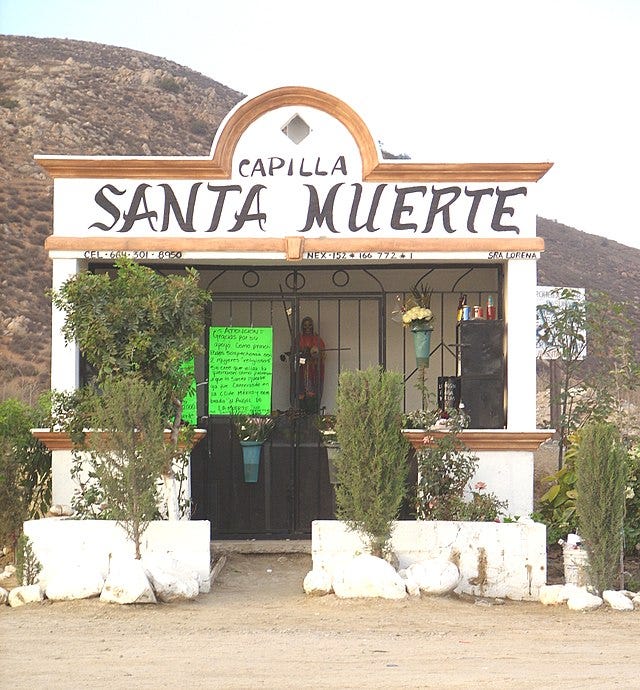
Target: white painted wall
{"x": 520, "y": 305}
{"x": 516, "y": 553}
{"x": 60, "y": 541}
{"x": 65, "y": 358}
{"x": 508, "y": 475}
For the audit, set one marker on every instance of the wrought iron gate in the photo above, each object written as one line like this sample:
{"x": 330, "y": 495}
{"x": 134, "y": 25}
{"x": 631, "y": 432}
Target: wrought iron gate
{"x": 352, "y": 310}
{"x": 293, "y": 485}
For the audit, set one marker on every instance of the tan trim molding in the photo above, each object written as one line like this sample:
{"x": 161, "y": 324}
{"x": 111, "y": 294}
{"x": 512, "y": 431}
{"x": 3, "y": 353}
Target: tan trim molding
{"x": 60, "y": 440}
{"x": 218, "y": 166}
{"x": 498, "y": 439}
{"x": 293, "y": 247}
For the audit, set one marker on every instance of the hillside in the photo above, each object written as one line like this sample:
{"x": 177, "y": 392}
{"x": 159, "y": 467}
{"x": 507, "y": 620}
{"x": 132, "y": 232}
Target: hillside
{"x": 74, "y": 97}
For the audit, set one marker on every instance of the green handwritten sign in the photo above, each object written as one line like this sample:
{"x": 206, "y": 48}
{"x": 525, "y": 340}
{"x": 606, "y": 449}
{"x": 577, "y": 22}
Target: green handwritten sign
{"x": 189, "y": 403}
{"x": 240, "y": 370}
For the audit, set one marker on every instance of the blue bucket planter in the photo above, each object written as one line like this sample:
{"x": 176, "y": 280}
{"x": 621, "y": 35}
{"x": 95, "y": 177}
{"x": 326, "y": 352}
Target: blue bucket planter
{"x": 251, "y": 460}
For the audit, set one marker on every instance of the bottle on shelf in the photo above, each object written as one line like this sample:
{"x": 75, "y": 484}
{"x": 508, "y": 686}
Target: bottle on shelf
{"x": 491, "y": 310}
{"x": 462, "y": 303}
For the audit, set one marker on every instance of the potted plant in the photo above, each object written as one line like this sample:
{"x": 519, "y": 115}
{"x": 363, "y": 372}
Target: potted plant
{"x": 252, "y": 431}
{"x": 326, "y": 424}
{"x": 417, "y": 316}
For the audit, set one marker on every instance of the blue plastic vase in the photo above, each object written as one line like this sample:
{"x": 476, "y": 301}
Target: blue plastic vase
{"x": 422, "y": 343}
{"x": 251, "y": 460}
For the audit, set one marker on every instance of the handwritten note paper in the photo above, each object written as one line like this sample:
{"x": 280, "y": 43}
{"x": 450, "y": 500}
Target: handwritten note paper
{"x": 240, "y": 370}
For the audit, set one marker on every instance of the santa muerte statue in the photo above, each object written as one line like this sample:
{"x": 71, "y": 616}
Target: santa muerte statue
{"x": 310, "y": 354}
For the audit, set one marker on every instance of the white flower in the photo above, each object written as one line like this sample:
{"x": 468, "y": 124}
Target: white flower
{"x": 417, "y": 314}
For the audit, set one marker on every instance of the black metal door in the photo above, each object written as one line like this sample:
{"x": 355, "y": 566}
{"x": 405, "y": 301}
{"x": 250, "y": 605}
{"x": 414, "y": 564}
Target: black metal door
{"x": 293, "y": 486}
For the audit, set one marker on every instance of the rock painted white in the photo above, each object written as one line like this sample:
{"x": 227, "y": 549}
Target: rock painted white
{"x": 495, "y": 560}
{"x": 72, "y": 581}
{"x": 434, "y": 575}
{"x": 413, "y": 589}
{"x": 581, "y": 600}
{"x": 127, "y": 583}
{"x": 170, "y": 580}
{"x": 57, "y": 541}
{"x": 4, "y": 595}
{"x": 551, "y": 595}
{"x": 26, "y": 594}
{"x": 617, "y": 600}
{"x": 317, "y": 583}
{"x": 368, "y": 576}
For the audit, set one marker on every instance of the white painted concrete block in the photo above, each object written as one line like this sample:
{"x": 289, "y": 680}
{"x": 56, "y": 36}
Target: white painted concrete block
{"x": 501, "y": 560}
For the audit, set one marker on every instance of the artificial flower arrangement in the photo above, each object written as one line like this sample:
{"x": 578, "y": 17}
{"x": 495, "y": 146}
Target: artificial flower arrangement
{"x": 255, "y": 428}
{"x": 417, "y": 307}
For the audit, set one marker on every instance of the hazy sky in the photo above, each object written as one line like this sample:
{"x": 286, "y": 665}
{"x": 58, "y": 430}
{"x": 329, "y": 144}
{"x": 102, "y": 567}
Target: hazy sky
{"x": 443, "y": 81}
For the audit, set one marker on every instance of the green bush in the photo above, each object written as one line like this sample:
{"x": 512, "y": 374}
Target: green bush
{"x": 25, "y": 467}
{"x": 557, "y": 506}
{"x": 169, "y": 84}
{"x": 28, "y": 566}
{"x": 632, "y": 495}
{"x": 371, "y": 466}
{"x": 601, "y": 472}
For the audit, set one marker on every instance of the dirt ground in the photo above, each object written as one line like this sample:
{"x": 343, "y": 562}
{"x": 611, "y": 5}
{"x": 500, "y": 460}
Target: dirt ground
{"x": 257, "y": 629}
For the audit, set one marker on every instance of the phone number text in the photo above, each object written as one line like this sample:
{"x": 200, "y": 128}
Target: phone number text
{"x": 138, "y": 255}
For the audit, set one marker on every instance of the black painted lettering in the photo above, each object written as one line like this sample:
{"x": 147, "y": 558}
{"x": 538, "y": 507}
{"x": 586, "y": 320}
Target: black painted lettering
{"x": 222, "y": 193}
{"x": 400, "y": 207}
{"x": 303, "y": 172}
{"x": 275, "y": 163}
{"x": 243, "y": 164}
{"x": 324, "y": 215}
{"x": 444, "y": 208}
{"x": 171, "y": 205}
{"x": 319, "y": 172}
{"x": 501, "y": 209}
{"x": 108, "y": 206}
{"x": 258, "y": 167}
{"x": 244, "y": 215}
{"x": 134, "y": 214}
{"x": 357, "y": 197}
{"x": 477, "y": 195}
{"x": 340, "y": 166}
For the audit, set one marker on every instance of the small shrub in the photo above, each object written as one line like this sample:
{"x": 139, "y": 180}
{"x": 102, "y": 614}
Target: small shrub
{"x": 28, "y": 567}
{"x": 445, "y": 468}
{"x": 169, "y": 84}
{"x": 371, "y": 466}
{"x": 129, "y": 456}
{"x": 199, "y": 127}
{"x": 601, "y": 469}
{"x": 557, "y": 506}
{"x": 9, "y": 103}
{"x": 632, "y": 496}
{"x": 25, "y": 467}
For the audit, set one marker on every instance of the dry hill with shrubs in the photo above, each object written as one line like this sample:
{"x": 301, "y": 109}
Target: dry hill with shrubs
{"x": 74, "y": 97}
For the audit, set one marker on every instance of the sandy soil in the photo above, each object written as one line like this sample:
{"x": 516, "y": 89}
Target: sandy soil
{"x": 257, "y": 629}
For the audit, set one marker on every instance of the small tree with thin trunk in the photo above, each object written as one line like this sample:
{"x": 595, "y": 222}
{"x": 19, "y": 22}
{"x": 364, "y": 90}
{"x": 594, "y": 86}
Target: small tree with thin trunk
{"x": 371, "y": 466}
{"x": 130, "y": 453}
{"x": 138, "y": 322}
